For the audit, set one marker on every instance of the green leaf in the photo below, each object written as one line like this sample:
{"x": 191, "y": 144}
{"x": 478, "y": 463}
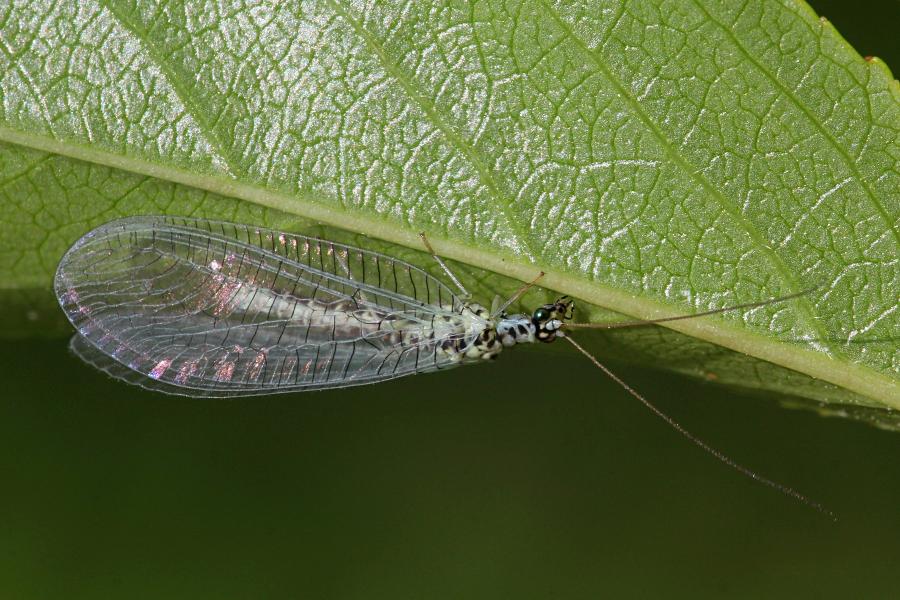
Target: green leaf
{"x": 654, "y": 158}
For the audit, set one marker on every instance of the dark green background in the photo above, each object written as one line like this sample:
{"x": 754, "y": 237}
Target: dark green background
{"x": 531, "y": 478}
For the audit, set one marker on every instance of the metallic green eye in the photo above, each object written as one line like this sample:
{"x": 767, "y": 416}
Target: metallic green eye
{"x": 541, "y": 314}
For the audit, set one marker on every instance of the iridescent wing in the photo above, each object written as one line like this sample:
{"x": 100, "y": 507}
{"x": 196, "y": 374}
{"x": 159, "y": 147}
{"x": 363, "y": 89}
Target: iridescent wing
{"x": 208, "y": 308}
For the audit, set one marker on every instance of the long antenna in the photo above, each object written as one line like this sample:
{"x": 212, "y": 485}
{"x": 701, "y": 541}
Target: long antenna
{"x": 787, "y": 491}
{"x": 638, "y": 323}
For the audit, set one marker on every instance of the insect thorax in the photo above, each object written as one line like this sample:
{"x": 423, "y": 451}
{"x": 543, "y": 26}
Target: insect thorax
{"x": 516, "y": 329}
{"x": 483, "y": 337}
{"x": 473, "y": 336}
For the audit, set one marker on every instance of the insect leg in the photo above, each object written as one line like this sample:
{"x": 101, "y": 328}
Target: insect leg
{"x": 517, "y": 295}
{"x": 463, "y": 292}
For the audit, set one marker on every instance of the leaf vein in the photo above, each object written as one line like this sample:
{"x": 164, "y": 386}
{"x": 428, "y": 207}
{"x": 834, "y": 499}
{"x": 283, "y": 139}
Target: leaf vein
{"x": 190, "y": 106}
{"x": 804, "y": 306}
{"x": 468, "y": 151}
{"x": 851, "y": 164}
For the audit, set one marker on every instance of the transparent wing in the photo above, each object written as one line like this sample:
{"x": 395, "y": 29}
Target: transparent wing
{"x": 209, "y": 308}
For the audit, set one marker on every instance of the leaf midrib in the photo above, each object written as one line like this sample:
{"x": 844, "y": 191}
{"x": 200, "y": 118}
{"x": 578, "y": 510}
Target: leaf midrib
{"x": 857, "y": 378}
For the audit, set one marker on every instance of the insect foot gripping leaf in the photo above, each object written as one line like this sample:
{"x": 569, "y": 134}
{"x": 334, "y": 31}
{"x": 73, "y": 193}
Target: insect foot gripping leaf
{"x": 655, "y": 158}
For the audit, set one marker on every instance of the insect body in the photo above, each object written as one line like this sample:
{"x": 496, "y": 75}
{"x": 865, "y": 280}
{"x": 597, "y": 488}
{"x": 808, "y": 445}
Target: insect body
{"x": 207, "y": 308}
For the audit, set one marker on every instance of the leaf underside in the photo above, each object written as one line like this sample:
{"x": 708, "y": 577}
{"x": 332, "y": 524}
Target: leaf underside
{"x": 654, "y": 158}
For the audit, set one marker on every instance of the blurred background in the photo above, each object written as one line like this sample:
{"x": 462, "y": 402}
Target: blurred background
{"x": 534, "y": 477}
